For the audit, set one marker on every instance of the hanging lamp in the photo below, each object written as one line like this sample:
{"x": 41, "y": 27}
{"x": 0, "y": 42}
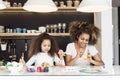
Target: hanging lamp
{"x": 2, "y": 6}
{"x": 40, "y": 6}
{"x": 93, "y": 6}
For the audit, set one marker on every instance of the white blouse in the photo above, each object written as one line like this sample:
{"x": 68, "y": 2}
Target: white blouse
{"x": 39, "y": 58}
{"x": 70, "y": 50}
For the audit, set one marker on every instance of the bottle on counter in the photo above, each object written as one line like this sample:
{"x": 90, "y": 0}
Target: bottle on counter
{"x": 24, "y": 54}
{"x": 14, "y": 52}
{"x": 9, "y": 50}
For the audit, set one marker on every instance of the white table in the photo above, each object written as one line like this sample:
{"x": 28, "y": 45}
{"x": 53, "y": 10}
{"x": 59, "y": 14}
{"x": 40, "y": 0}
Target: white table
{"x": 67, "y": 71}
{"x": 60, "y": 74}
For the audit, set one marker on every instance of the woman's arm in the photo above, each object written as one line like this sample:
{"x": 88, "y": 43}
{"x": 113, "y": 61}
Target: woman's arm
{"x": 96, "y": 60}
{"x": 70, "y": 61}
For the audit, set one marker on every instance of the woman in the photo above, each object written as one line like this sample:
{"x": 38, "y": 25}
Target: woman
{"x": 82, "y": 51}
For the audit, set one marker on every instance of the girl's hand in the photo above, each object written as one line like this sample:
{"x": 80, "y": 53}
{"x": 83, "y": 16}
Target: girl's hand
{"x": 60, "y": 53}
{"x": 22, "y": 60}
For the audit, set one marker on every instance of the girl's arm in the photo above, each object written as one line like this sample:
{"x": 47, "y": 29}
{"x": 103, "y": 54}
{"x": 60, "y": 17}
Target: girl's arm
{"x": 31, "y": 61}
{"x": 61, "y": 54}
{"x": 59, "y": 60}
{"x": 21, "y": 60}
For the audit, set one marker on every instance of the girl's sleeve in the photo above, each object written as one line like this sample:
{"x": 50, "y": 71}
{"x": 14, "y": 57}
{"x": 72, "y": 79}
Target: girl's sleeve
{"x": 58, "y": 60}
{"x": 31, "y": 61}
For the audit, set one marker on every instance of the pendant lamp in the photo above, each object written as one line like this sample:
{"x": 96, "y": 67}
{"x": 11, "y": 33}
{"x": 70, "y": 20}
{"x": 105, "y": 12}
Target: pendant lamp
{"x": 40, "y": 6}
{"x": 93, "y": 6}
{"x": 2, "y": 6}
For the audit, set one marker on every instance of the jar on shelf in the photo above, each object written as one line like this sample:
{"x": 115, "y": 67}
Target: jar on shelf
{"x": 76, "y": 3}
{"x": 56, "y": 3}
{"x": 62, "y": 4}
{"x": 19, "y": 4}
{"x": 14, "y": 4}
{"x": 69, "y": 3}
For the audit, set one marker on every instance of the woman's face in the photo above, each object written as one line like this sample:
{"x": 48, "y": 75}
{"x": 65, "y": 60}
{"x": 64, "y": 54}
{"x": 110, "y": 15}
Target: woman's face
{"x": 83, "y": 39}
{"x": 45, "y": 46}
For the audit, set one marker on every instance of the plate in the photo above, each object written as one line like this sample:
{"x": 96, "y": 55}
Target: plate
{"x": 90, "y": 71}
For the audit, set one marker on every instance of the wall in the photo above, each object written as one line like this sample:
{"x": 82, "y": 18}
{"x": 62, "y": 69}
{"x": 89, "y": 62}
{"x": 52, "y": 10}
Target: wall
{"x": 115, "y": 35}
{"x": 104, "y": 21}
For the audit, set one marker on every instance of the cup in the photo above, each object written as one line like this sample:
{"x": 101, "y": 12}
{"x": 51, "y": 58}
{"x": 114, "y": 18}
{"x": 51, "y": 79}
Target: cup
{"x": 1, "y": 29}
{"x": 28, "y": 31}
{"x": 24, "y": 30}
{"x": 42, "y": 29}
{"x": 18, "y": 30}
{"x": 3, "y": 46}
{"x": 33, "y": 31}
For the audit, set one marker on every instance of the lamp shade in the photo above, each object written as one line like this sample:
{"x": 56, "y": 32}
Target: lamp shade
{"x": 93, "y": 6}
{"x": 40, "y": 6}
{"x": 2, "y": 6}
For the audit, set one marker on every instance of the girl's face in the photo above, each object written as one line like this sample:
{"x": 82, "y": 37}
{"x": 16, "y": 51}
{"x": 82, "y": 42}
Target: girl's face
{"x": 83, "y": 39}
{"x": 45, "y": 46}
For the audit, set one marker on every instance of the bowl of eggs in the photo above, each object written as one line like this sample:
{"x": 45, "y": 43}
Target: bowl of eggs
{"x": 14, "y": 67}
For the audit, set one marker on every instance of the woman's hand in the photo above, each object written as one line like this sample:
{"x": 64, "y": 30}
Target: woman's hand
{"x": 60, "y": 53}
{"x": 89, "y": 57}
{"x": 80, "y": 53}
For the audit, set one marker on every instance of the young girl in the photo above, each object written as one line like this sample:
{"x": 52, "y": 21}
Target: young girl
{"x": 44, "y": 51}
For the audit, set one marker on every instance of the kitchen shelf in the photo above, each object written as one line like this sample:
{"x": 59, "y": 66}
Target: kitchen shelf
{"x": 27, "y": 35}
{"x": 66, "y": 9}
{"x": 13, "y": 9}
{"x": 20, "y": 9}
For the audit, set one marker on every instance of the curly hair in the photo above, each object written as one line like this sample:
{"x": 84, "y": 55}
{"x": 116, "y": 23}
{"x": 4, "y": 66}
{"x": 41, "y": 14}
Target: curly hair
{"x": 35, "y": 45}
{"x": 76, "y": 28}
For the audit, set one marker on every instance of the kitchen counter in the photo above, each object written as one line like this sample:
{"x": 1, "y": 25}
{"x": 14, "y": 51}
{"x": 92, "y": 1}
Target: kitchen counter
{"x": 69, "y": 71}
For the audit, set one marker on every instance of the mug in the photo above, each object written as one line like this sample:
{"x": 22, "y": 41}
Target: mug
{"x": 24, "y": 30}
{"x": 33, "y": 31}
{"x": 18, "y": 30}
{"x": 3, "y": 46}
{"x": 42, "y": 29}
{"x": 28, "y": 31}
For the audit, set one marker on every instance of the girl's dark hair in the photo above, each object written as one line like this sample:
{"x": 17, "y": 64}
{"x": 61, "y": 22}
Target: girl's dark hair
{"x": 76, "y": 28}
{"x": 35, "y": 45}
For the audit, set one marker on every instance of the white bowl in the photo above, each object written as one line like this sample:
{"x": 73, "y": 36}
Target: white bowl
{"x": 15, "y": 69}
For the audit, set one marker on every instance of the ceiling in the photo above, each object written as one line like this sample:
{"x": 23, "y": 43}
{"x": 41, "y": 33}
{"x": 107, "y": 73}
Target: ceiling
{"x": 116, "y": 3}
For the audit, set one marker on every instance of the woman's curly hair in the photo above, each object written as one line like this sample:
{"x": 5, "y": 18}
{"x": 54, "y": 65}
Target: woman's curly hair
{"x": 76, "y": 28}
